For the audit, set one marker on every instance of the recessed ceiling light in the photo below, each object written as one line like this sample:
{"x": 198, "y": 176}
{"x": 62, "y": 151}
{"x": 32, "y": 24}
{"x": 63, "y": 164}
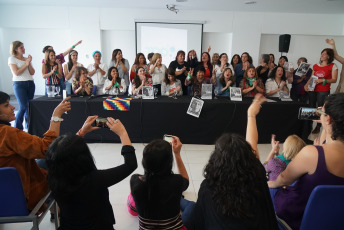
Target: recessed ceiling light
{"x": 250, "y": 2}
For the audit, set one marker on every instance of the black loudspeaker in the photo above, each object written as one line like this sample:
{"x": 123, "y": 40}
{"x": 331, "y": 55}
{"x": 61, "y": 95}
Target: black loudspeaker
{"x": 284, "y": 42}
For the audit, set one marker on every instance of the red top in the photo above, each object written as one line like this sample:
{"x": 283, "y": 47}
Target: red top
{"x": 323, "y": 72}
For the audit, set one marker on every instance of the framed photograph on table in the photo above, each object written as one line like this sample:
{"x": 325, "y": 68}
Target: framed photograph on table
{"x": 147, "y": 92}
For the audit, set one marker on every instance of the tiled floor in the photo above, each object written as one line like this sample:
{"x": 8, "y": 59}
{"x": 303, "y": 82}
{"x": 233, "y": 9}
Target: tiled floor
{"x": 108, "y": 155}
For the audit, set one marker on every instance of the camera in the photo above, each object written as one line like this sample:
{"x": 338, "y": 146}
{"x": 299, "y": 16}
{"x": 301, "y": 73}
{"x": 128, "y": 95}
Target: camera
{"x": 308, "y": 114}
{"x": 101, "y": 122}
{"x": 168, "y": 138}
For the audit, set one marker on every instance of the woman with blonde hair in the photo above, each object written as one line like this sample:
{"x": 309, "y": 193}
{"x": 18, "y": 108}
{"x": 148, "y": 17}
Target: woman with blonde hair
{"x": 23, "y": 84}
{"x": 157, "y": 70}
{"x": 275, "y": 163}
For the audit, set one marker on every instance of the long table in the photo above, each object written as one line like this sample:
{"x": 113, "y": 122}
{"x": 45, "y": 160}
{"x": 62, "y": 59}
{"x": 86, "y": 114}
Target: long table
{"x": 151, "y": 119}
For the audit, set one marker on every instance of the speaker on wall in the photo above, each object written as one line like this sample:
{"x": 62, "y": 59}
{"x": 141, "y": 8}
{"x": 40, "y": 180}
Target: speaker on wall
{"x": 284, "y": 42}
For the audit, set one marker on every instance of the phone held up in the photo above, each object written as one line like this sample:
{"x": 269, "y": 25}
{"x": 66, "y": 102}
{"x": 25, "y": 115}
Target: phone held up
{"x": 101, "y": 122}
{"x": 168, "y": 138}
{"x": 308, "y": 114}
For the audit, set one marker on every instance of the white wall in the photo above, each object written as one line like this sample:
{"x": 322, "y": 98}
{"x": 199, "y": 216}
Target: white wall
{"x": 108, "y": 28}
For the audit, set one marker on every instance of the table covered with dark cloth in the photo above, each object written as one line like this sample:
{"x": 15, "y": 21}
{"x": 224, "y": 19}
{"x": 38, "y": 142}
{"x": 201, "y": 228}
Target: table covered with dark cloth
{"x": 151, "y": 119}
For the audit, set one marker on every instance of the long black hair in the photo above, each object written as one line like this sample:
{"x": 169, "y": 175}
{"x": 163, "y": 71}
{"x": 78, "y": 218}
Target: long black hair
{"x": 157, "y": 162}
{"x": 69, "y": 161}
{"x": 118, "y": 79}
{"x": 137, "y": 79}
{"x": 4, "y": 97}
{"x": 273, "y": 73}
{"x": 70, "y": 62}
{"x": 231, "y": 174}
{"x": 114, "y": 54}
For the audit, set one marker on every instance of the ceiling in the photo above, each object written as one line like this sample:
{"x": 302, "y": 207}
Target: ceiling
{"x": 286, "y": 6}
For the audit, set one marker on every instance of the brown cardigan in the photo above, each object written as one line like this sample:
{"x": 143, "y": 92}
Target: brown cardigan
{"x": 19, "y": 149}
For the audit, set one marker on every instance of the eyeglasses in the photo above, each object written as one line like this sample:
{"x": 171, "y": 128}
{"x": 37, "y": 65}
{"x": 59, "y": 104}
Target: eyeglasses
{"x": 319, "y": 112}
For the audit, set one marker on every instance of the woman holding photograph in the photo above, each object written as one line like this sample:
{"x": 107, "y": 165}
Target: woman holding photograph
{"x": 327, "y": 73}
{"x": 297, "y": 92}
{"x": 114, "y": 85}
{"x": 171, "y": 85}
{"x": 140, "y": 80}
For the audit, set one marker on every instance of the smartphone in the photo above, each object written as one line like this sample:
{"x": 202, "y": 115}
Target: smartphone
{"x": 308, "y": 114}
{"x": 101, "y": 122}
{"x": 168, "y": 138}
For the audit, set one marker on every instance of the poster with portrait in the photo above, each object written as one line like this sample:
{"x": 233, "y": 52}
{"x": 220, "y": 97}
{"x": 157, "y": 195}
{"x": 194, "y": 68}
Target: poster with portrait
{"x": 147, "y": 92}
{"x": 207, "y": 90}
{"x": 312, "y": 83}
{"x": 303, "y": 69}
{"x": 235, "y": 94}
{"x": 195, "y": 107}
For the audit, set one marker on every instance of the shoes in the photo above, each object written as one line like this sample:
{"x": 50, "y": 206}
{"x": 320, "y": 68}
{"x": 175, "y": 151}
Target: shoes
{"x": 316, "y": 130}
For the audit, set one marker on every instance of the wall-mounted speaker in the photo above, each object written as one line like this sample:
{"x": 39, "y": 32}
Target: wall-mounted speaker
{"x": 284, "y": 42}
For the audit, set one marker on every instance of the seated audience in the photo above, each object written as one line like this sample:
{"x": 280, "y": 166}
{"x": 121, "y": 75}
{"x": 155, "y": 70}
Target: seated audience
{"x": 82, "y": 84}
{"x": 240, "y": 68}
{"x": 19, "y": 149}
{"x": 251, "y": 84}
{"x": 140, "y": 80}
{"x": 263, "y": 69}
{"x": 313, "y": 166}
{"x": 234, "y": 193}
{"x": 297, "y": 92}
{"x": 122, "y": 66}
{"x": 140, "y": 61}
{"x": 196, "y": 82}
{"x": 340, "y": 59}
{"x": 235, "y": 60}
{"x": 97, "y": 72}
{"x": 225, "y": 82}
{"x": 51, "y": 70}
{"x": 70, "y": 70}
{"x": 157, "y": 193}
{"x": 182, "y": 68}
{"x": 80, "y": 189}
{"x": 276, "y": 163}
{"x": 114, "y": 85}
{"x": 192, "y": 59}
{"x": 276, "y": 83}
{"x": 171, "y": 85}
{"x": 157, "y": 70}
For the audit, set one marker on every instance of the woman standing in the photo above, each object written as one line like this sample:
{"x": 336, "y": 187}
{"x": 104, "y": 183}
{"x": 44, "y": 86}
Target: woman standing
{"x": 251, "y": 84}
{"x": 122, "y": 66}
{"x": 276, "y": 83}
{"x": 70, "y": 69}
{"x": 140, "y": 61}
{"x": 340, "y": 87}
{"x": 182, "y": 68}
{"x": 235, "y": 60}
{"x": 171, "y": 85}
{"x": 114, "y": 85}
{"x": 246, "y": 61}
{"x": 23, "y": 84}
{"x": 51, "y": 70}
{"x": 97, "y": 72}
{"x": 157, "y": 71}
{"x": 327, "y": 73}
{"x": 263, "y": 69}
{"x": 205, "y": 62}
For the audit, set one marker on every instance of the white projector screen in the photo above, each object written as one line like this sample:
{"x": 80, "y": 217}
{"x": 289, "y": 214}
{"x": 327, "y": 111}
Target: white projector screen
{"x": 168, "y": 38}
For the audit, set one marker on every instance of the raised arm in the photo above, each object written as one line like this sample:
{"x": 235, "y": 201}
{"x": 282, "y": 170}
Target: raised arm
{"x": 71, "y": 48}
{"x": 336, "y": 55}
{"x": 251, "y": 130}
{"x": 176, "y": 146}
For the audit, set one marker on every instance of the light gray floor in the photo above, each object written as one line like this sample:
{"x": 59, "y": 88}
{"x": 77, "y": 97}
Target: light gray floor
{"x": 194, "y": 157}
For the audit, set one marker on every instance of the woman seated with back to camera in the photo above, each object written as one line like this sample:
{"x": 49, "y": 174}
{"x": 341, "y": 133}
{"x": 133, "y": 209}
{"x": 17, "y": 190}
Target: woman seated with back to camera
{"x": 19, "y": 149}
{"x": 276, "y": 83}
{"x": 171, "y": 85}
{"x": 82, "y": 85}
{"x": 313, "y": 165}
{"x": 155, "y": 196}
{"x": 224, "y": 83}
{"x": 114, "y": 85}
{"x": 196, "y": 82}
{"x": 80, "y": 189}
{"x": 234, "y": 193}
{"x": 140, "y": 80}
{"x": 251, "y": 84}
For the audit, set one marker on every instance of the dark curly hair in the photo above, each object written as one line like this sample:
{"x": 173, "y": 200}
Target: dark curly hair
{"x": 68, "y": 160}
{"x": 330, "y": 54}
{"x": 334, "y": 106}
{"x": 273, "y": 73}
{"x": 118, "y": 79}
{"x": 171, "y": 72}
{"x": 232, "y": 175}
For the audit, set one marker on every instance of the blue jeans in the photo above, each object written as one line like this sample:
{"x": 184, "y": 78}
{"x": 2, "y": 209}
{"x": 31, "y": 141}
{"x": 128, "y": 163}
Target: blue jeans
{"x": 24, "y": 92}
{"x": 187, "y": 208}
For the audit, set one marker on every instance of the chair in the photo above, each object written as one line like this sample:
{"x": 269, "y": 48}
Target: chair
{"x": 13, "y": 208}
{"x": 324, "y": 209}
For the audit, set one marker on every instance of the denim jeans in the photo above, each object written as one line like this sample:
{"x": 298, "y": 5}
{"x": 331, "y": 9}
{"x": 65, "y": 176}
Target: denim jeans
{"x": 187, "y": 208}
{"x": 24, "y": 92}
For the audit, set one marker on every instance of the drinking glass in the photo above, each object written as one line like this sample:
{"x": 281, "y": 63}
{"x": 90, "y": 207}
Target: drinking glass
{"x": 155, "y": 92}
{"x": 57, "y": 88}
